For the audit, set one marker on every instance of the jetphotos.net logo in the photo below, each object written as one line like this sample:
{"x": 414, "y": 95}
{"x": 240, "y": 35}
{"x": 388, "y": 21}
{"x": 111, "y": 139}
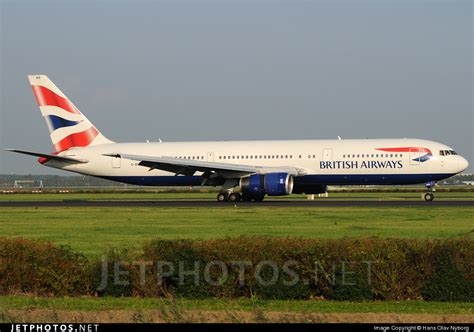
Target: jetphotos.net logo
{"x": 265, "y": 273}
{"x": 88, "y": 327}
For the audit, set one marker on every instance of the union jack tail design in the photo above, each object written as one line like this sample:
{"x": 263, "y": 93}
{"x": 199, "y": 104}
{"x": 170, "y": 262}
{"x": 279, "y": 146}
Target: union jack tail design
{"x": 68, "y": 127}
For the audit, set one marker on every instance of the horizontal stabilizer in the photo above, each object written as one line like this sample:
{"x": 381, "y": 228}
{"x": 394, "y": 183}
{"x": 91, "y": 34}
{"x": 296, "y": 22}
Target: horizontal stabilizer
{"x": 51, "y": 156}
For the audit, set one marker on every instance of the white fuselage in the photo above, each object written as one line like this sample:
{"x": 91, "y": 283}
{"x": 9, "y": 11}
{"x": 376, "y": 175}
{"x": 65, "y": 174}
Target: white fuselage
{"x": 351, "y": 161}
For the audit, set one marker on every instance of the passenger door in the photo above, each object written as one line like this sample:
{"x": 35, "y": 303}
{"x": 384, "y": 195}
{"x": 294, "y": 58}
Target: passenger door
{"x": 210, "y": 156}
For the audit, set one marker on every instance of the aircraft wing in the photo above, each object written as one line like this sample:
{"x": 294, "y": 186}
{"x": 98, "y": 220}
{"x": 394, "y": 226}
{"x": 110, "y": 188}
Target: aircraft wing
{"x": 189, "y": 167}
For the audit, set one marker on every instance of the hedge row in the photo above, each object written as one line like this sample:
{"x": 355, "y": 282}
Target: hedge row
{"x": 42, "y": 268}
{"x": 275, "y": 268}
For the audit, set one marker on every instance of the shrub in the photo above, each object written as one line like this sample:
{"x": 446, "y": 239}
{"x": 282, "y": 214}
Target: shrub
{"x": 343, "y": 269}
{"x": 176, "y": 268}
{"x": 255, "y": 267}
{"x": 113, "y": 274}
{"x": 453, "y": 273}
{"x": 41, "y": 268}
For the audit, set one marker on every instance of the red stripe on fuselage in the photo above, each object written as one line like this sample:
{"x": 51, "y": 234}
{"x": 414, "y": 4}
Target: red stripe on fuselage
{"x": 405, "y": 149}
{"x": 46, "y": 97}
{"x": 82, "y": 139}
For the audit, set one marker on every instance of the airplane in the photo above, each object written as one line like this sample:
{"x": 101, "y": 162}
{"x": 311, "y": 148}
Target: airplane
{"x": 243, "y": 170}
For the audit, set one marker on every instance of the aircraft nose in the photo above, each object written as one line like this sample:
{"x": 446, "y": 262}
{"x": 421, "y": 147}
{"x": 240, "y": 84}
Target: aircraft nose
{"x": 463, "y": 164}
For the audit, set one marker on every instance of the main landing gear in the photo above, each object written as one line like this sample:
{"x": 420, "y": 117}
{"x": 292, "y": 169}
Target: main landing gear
{"x": 236, "y": 197}
{"x": 429, "y": 196}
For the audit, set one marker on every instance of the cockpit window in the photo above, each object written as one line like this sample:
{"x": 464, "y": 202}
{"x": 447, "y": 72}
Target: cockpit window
{"x": 447, "y": 152}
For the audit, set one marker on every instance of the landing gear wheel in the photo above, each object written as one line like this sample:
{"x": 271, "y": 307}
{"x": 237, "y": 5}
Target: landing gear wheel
{"x": 258, "y": 198}
{"x": 222, "y": 197}
{"x": 428, "y": 196}
{"x": 233, "y": 197}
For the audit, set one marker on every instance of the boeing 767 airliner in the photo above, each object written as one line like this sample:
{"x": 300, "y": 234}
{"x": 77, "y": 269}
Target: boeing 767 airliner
{"x": 245, "y": 170}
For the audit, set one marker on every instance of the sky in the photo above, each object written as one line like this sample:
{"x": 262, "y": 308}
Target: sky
{"x": 240, "y": 70}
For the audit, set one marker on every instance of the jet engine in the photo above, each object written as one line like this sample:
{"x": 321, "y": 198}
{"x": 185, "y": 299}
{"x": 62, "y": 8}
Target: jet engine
{"x": 272, "y": 184}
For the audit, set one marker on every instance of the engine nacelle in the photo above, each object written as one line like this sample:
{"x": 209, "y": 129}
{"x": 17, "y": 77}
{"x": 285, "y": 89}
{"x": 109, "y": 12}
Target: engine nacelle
{"x": 272, "y": 184}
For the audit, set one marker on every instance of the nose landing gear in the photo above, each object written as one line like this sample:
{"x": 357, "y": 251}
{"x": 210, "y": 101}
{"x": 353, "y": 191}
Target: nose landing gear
{"x": 429, "y": 196}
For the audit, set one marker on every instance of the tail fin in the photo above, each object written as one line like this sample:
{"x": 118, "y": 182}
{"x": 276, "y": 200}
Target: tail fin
{"x": 68, "y": 127}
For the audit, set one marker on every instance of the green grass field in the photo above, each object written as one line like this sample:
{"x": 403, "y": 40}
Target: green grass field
{"x": 199, "y": 195}
{"x": 108, "y": 303}
{"x": 93, "y": 230}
